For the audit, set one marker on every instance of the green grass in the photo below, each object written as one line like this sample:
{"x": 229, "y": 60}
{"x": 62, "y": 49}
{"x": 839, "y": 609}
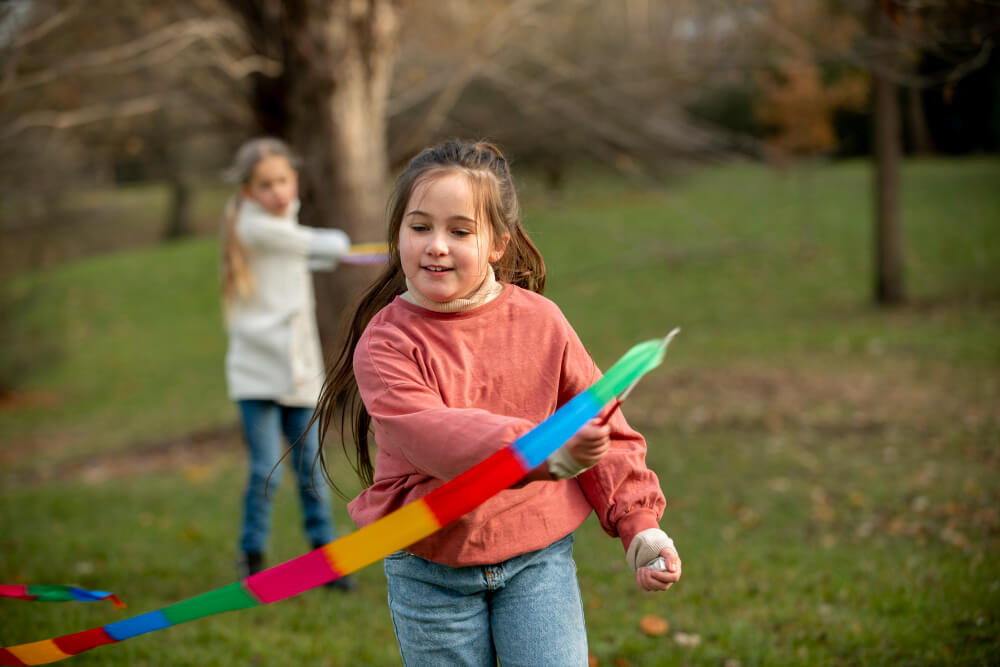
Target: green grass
{"x": 830, "y": 466}
{"x": 142, "y": 348}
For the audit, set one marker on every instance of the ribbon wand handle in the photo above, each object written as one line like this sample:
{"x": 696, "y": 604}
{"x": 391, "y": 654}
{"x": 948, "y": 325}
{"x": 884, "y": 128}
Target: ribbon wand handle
{"x": 657, "y": 564}
{"x": 613, "y": 410}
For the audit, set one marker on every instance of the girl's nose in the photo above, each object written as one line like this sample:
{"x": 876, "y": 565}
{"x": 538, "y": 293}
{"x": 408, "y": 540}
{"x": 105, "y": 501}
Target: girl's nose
{"x": 437, "y": 244}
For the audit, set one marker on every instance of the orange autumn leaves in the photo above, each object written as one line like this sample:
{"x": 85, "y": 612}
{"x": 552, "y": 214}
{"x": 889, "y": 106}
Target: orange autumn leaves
{"x": 653, "y": 625}
{"x": 801, "y": 92}
{"x": 799, "y": 106}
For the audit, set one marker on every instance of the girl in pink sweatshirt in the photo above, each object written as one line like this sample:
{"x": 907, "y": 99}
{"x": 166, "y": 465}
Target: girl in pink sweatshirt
{"x": 452, "y": 355}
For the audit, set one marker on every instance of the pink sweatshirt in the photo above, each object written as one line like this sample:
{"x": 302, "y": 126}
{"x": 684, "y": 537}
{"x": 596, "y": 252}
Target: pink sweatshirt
{"x": 446, "y": 390}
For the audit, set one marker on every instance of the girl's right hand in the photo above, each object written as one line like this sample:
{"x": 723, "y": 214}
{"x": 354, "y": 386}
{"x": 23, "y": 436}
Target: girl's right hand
{"x": 660, "y": 580}
{"x": 590, "y": 444}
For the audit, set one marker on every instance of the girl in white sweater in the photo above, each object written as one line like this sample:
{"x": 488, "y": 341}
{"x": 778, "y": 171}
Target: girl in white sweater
{"x": 274, "y": 365}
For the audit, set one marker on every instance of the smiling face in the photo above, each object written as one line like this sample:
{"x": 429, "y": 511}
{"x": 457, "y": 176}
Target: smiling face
{"x": 444, "y": 244}
{"x": 273, "y": 184}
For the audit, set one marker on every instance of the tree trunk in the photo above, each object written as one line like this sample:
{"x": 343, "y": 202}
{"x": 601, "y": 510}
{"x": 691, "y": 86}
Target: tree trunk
{"x": 888, "y": 230}
{"x": 921, "y": 142}
{"x": 178, "y": 223}
{"x": 330, "y": 104}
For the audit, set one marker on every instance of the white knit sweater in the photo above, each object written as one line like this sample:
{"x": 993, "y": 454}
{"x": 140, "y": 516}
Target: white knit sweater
{"x": 274, "y": 351}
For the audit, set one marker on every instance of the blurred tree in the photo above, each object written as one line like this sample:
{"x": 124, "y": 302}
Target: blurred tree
{"x": 557, "y": 80}
{"x": 148, "y": 84}
{"x": 888, "y": 39}
{"x": 329, "y": 101}
{"x": 961, "y": 35}
{"x": 889, "y": 285}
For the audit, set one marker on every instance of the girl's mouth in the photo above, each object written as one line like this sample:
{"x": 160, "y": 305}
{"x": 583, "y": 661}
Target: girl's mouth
{"x": 436, "y": 269}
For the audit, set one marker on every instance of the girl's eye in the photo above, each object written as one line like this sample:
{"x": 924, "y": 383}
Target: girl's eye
{"x": 462, "y": 232}
{"x": 417, "y": 227}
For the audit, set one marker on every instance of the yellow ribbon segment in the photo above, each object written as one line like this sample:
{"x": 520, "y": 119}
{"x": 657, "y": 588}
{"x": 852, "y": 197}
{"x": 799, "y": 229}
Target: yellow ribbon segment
{"x": 38, "y": 653}
{"x": 392, "y": 532}
{"x": 366, "y": 248}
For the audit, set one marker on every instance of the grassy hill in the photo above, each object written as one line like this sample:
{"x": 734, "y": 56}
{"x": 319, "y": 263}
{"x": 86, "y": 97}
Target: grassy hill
{"x": 830, "y": 466}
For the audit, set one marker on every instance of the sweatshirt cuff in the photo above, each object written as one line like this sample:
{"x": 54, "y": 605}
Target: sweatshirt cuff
{"x": 634, "y": 523}
{"x": 332, "y": 243}
{"x": 563, "y": 466}
{"x": 647, "y": 546}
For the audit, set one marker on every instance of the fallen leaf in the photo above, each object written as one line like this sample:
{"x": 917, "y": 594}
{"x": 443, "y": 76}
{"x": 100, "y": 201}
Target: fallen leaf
{"x": 686, "y": 639}
{"x": 195, "y": 472}
{"x": 654, "y": 626}
{"x": 779, "y": 484}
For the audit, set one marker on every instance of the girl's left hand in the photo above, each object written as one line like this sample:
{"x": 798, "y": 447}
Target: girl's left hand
{"x": 660, "y": 580}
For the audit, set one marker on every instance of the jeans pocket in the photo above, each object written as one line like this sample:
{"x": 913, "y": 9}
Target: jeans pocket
{"x": 399, "y": 555}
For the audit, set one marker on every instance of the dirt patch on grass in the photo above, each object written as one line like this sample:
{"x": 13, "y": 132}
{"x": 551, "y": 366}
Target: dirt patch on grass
{"x": 191, "y": 451}
{"x": 875, "y": 400}
{"x": 17, "y": 400}
{"x": 892, "y": 401}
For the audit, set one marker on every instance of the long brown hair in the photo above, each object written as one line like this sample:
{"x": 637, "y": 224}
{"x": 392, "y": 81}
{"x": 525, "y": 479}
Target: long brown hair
{"x": 521, "y": 265}
{"x": 236, "y": 278}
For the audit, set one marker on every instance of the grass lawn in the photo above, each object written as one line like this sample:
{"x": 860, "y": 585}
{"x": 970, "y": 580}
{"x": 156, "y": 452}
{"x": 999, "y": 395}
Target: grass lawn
{"x": 831, "y": 468}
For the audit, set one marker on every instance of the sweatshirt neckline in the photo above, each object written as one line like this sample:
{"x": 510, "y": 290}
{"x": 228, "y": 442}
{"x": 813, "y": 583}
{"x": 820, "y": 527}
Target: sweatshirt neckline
{"x": 487, "y": 307}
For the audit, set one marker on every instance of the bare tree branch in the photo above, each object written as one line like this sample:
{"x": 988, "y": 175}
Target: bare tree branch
{"x": 156, "y": 47}
{"x": 240, "y": 68}
{"x": 494, "y": 35}
{"x": 61, "y": 120}
{"x": 45, "y": 27}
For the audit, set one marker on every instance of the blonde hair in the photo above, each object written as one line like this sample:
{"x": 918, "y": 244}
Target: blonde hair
{"x": 236, "y": 277}
{"x": 521, "y": 265}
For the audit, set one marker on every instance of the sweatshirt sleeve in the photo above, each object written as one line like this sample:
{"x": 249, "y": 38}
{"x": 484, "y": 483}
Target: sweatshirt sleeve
{"x": 323, "y": 245}
{"x": 258, "y": 232}
{"x": 328, "y": 245}
{"x": 624, "y": 493}
{"x": 411, "y": 420}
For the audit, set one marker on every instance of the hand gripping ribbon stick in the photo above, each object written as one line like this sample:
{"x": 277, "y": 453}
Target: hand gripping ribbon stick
{"x": 657, "y": 563}
{"x": 393, "y": 532}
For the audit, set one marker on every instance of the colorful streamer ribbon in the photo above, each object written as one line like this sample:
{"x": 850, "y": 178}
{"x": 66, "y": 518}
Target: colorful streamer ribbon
{"x": 57, "y": 594}
{"x": 367, "y": 253}
{"x": 393, "y": 532}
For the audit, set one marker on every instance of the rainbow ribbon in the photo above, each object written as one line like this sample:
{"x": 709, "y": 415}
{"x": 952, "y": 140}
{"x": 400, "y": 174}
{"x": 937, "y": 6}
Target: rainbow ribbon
{"x": 367, "y": 253}
{"x": 393, "y": 532}
{"x": 57, "y": 594}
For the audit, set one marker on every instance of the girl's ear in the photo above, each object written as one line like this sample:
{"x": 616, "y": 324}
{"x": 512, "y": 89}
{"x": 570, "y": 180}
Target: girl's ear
{"x": 244, "y": 191}
{"x": 499, "y": 247}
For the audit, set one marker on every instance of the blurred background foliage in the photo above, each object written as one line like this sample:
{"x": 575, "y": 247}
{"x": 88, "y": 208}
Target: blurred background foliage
{"x": 100, "y": 94}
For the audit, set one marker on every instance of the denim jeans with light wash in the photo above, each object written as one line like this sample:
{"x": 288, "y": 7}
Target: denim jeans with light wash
{"x": 523, "y": 611}
{"x": 269, "y": 428}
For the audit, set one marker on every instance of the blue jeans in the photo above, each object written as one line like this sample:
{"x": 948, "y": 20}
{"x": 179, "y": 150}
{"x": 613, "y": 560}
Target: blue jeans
{"x": 264, "y": 424}
{"x": 523, "y": 611}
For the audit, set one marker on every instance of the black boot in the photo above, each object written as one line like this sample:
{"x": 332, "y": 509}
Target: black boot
{"x": 345, "y": 584}
{"x": 250, "y": 562}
